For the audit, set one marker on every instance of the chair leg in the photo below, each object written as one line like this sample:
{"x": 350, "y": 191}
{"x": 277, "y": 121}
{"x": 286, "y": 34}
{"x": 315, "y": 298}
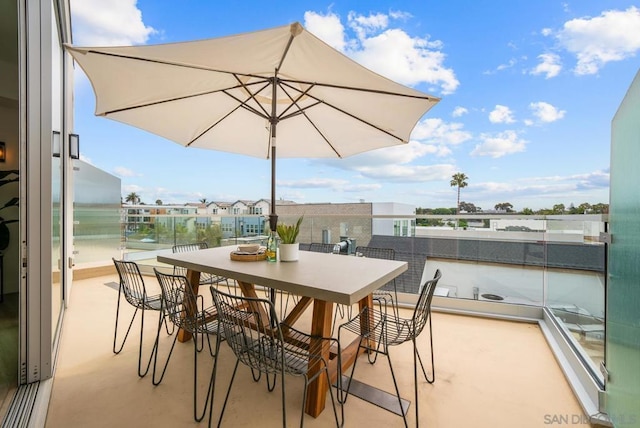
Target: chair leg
{"x": 433, "y": 368}
{"x": 153, "y": 351}
{"x": 115, "y": 333}
{"x": 212, "y": 381}
{"x": 395, "y": 384}
{"x": 415, "y": 379}
{"x": 155, "y": 381}
{"x": 342, "y": 398}
{"x": 198, "y": 416}
{"x": 224, "y": 405}
{"x": 163, "y": 318}
{"x": 375, "y": 356}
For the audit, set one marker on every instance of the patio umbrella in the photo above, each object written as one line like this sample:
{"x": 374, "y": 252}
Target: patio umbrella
{"x": 252, "y": 93}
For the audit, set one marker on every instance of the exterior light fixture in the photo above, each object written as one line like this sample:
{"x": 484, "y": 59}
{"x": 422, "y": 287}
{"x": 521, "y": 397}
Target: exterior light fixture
{"x": 55, "y": 144}
{"x": 3, "y": 152}
{"x": 74, "y": 146}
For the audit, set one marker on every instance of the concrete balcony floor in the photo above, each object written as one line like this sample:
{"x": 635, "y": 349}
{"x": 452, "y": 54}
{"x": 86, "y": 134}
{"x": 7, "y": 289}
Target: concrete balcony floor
{"x": 489, "y": 373}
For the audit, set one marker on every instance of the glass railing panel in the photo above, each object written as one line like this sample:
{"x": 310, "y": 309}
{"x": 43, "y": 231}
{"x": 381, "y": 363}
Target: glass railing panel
{"x": 575, "y": 284}
{"x": 487, "y": 258}
{"x": 97, "y": 234}
{"x": 523, "y": 260}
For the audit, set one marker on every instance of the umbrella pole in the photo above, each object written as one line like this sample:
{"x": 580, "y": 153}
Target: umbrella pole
{"x": 273, "y": 217}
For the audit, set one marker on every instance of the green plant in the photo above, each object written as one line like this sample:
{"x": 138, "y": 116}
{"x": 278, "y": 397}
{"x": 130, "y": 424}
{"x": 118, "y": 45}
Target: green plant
{"x": 288, "y": 233}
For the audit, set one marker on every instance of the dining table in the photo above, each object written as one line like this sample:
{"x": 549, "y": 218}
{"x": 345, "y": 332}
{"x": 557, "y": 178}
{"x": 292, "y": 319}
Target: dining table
{"x": 320, "y": 279}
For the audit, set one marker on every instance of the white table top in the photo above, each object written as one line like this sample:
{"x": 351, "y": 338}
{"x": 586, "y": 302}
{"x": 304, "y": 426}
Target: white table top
{"x": 330, "y": 277}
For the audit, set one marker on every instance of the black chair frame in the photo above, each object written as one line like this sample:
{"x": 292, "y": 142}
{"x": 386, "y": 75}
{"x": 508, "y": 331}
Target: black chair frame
{"x": 133, "y": 288}
{"x": 385, "y": 330}
{"x": 252, "y": 330}
{"x": 187, "y": 312}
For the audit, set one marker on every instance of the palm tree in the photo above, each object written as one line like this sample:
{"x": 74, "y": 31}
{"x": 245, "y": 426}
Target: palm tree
{"x": 459, "y": 180}
{"x": 132, "y": 198}
{"x": 204, "y": 201}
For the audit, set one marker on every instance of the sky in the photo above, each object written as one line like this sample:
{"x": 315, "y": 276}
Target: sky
{"x": 528, "y": 91}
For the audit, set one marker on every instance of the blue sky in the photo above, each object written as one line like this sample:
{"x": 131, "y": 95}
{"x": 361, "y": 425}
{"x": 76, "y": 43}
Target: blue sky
{"x": 528, "y": 92}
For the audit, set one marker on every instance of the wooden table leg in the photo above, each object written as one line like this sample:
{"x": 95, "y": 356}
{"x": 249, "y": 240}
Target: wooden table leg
{"x": 194, "y": 279}
{"x": 320, "y": 326}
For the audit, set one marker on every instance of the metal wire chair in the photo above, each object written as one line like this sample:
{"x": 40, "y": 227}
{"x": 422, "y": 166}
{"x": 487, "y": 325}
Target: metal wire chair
{"x": 384, "y": 330}
{"x": 383, "y": 295}
{"x": 259, "y": 341}
{"x": 186, "y": 310}
{"x": 205, "y": 278}
{"x": 318, "y": 247}
{"x": 135, "y": 293}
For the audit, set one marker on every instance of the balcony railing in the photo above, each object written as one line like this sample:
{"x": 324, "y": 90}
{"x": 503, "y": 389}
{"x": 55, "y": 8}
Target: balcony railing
{"x": 552, "y": 262}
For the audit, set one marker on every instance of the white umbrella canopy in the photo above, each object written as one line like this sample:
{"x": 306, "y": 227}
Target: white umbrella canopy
{"x": 218, "y": 94}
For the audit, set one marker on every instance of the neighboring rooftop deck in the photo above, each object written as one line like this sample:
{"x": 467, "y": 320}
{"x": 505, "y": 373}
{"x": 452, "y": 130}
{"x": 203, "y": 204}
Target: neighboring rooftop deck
{"x": 489, "y": 373}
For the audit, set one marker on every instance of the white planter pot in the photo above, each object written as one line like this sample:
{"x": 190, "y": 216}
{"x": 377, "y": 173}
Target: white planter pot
{"x": 289, "y": 252}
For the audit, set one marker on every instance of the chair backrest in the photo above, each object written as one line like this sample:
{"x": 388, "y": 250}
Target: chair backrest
{"x": 131, "y": 281}
{"x": 183, "y": 248}
{"x": 422, "y": 312}
{"x": 178, "y": 300}
{"x": 378, "y": 253}
{"x": 304, "y": 246}
{"x": 251, "y": 328}
{"x": 318, "y": 247}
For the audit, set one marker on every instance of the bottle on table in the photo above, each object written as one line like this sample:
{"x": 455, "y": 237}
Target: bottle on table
{"x": 272, "y": 247}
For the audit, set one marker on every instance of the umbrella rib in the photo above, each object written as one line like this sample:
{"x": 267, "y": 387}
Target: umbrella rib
{"x": 302, "y": 111}
{"x": 354, "y": 88}
{"x": 184, "y": 97}
{"x": 347, "y": 114}
{"x": 252, "y": 96}
{"x": 294, "y": 102}
{"x": 173, "y": 63}
{"x": 241, "y": 104}
{"x": 212, "y": 126}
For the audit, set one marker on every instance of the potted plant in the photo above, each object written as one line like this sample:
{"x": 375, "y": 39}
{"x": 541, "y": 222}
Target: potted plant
{"x": 289, "y": 246}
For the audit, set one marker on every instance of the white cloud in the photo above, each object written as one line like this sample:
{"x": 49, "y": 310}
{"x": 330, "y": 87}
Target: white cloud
{"x": 501, "y": 114}
{"x": 546, "y": 31}
{"x": 312, "y": 183}
{"x": 361, "y": 187}
{"x": 498, "y": 145}
{"x": 108, "y": 23}
{"x": 382, "y": 158}
{"x": 397, "y": 14}
{"x": 125, "y": 172}
{"x": 365, "y": 25}
{"x": 128, "y": 188}
{"x": 410, "y": 173}
{"x": 328, "y": 183}
{"x": 437, "y": 131}
{"x": 510, "y": 64}
{"x": 388, "y": 51}
{"x": 546, "y": 112}
{"x": 459, "y": 111}
{"x": 326, "y": 27}
{"x": 612, "y": 36}
{"x": 550, "y": 65}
